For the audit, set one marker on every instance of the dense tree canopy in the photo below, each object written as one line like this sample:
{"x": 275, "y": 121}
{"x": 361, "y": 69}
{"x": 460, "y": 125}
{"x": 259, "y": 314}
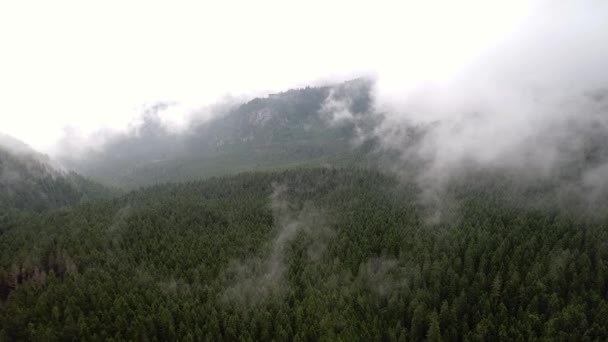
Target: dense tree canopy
{"x": 28, "y": 181}
{"x": 305, "y": 255}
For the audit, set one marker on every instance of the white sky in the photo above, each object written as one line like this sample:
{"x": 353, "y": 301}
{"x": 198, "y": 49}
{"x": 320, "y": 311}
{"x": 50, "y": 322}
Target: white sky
{"x": 91, "y": 64}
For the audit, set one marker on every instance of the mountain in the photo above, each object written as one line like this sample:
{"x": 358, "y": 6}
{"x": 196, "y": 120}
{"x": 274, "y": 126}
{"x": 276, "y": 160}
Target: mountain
{"x": 295, "y": 128}
{"x": 32, "y": 181}
{"x": 329, "y": 234}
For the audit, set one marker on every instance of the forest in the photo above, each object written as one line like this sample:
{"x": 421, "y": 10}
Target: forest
{"x": 310, "y": 171}
{"x": 308, "y": 254}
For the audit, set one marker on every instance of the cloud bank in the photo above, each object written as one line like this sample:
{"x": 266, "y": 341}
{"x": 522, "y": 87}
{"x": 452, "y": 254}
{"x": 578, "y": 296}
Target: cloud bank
{"x": 537, "y": 102}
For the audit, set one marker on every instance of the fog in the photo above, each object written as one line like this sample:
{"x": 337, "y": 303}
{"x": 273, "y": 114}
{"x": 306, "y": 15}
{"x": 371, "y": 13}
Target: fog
{"x": 536, "y": 102}
{"x": 257, "y": 279}
{"x": 74, "y": 67}
{"x": 520, "y": 86}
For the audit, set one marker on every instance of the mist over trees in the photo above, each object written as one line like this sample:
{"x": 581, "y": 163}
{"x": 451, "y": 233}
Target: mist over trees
{"x": 346, "y": 230}
{"x": 32, "y": 181}
{"x": 438, "y": 171}
{"x": 251, "y": 257}
{"x": 282, "y": 130}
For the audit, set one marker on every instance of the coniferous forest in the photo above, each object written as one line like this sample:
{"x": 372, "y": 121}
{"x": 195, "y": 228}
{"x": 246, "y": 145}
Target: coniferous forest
{"x": 309, "y": 254}
{"x": 304, "y": 171}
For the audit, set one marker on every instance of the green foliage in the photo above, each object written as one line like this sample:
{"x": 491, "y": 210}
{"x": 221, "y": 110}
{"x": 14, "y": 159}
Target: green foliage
{"x": 29, "y": 182}
{"x": 337, "y": 255}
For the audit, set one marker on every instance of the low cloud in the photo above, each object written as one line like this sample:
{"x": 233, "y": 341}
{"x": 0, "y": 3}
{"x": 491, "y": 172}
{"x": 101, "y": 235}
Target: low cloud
{"x": 537, "y": 103}
{"x": 258, "y": 279}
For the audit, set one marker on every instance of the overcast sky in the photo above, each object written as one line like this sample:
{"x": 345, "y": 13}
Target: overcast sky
{"x": 91, "y": 64}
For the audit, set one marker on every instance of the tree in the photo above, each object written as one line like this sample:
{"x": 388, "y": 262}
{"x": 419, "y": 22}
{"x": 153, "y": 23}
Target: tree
{"x": 434, "y": 332}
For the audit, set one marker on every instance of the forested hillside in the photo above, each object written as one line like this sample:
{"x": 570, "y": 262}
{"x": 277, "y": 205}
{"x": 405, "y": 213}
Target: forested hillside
{"x": 313, "y": 126}
{"x": 31, "y": 181}
{"x": 308, "y": 254}
{"x": 308, "y": 171}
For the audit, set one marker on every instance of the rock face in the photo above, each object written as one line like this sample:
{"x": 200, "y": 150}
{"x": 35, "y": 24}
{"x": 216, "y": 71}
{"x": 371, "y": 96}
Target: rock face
{"x": 261, "y": 117}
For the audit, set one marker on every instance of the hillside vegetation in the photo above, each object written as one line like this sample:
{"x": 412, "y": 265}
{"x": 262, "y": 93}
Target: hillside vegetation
{"x": 296, "y": 128}
{"x": 30, "y": 181}
{"x": 308, "y": 254}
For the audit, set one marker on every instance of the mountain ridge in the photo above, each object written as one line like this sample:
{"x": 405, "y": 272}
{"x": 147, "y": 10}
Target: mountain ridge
{"x": 280, "y": 130}
{"x": 30, "y": 180}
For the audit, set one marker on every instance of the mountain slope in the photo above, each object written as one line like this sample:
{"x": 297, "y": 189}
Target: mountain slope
{"x": 294, "y": 128}
{"x": 31, "y": 181}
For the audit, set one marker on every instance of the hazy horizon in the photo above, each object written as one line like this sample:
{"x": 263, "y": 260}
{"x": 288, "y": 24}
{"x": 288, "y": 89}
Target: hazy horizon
{"x": 82, "y": 68}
